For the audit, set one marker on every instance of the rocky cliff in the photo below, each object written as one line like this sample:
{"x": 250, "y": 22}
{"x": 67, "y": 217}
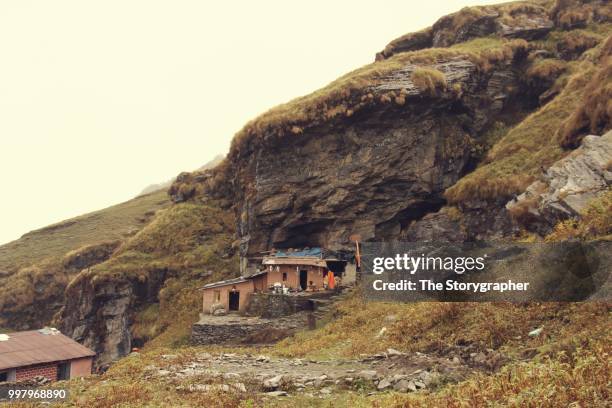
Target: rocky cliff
{"x": 148, "y": 288}
{"x": 376, "y": 153}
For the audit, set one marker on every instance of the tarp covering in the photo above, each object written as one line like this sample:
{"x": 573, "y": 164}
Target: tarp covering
{"x": 302, "y": 253}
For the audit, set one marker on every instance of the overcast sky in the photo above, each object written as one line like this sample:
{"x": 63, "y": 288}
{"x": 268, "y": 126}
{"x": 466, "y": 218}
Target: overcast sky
{"x": 99, "y": 99}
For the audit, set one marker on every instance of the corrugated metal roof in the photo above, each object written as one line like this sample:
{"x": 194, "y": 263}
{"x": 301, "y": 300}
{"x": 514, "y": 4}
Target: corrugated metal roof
{"x": 225, "y": 282}
{"x": 233, "y": 281}
{"x": 294, "y": 261}
{"x": 34, "y": 347}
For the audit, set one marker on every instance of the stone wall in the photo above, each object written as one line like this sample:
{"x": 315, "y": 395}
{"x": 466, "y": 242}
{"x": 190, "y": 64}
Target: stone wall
{"x": 235, "y": 329}
{"x": 270, "y": 305}
{"x": 228, "y": 333}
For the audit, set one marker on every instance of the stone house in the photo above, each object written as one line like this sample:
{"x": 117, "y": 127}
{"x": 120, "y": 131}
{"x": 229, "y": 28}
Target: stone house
{"x": 46, "y": 352}
{"x": 297, "y": 271}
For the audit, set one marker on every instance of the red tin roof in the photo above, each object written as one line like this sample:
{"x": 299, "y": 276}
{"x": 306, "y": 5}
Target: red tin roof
{"x": 37, "y": 347}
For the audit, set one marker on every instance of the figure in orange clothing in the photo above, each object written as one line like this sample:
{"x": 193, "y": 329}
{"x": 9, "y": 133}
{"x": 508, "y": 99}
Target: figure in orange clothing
{"x": 332, "y": 280}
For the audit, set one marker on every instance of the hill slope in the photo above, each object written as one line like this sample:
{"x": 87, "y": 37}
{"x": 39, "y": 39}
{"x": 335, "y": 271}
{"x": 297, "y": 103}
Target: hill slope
{"x": 110, "y": 224}
{"x": 429, "y": 142}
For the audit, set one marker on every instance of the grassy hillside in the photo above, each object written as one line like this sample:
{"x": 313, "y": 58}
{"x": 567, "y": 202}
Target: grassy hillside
{"x": 193, "y": 244}
{"x": 582, "y": 106}
{"x": 37, "y": 267}
{"x": 110, "y": 224}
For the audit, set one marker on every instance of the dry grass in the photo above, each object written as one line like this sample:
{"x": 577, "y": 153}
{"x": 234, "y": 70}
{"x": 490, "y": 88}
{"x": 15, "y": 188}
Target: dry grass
{"x": 29, "y": 297}
{"x": 112, "y": 223}
{"x": 569, "y": 14}
{"x": 518, "y": 158}
{"x": 594, "y": 113}
{"x": 547, "y": 70}
{"x": 595, "y": 222}
{"x": 577, "y": 377}
{"x": 126, "y": 384}
{"x": 572, "y": 44}
{"x": 570, "y": 363}
{"x": 429, "y": 81}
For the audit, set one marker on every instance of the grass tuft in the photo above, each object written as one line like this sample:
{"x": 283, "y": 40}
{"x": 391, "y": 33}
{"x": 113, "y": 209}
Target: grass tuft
{"x": 429, "y": 80}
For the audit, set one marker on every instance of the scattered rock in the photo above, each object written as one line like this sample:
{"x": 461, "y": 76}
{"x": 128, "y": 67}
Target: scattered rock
{"x": 276, "y": 394}
{"x": 273, "y": 383}
{"x": 369, "y": 375}
{"x": 567, "y": 186}
{"x": 536, "y": 332}
{"x": 398, "y": 377}
{"x": 480, "y": 357}
{"x": 384, "y": 384}
{"x": 390, "y": 318}
{"x": 208, "y": 387}
{"x": 239, "y": 387}
{"x": 394, "y": 352}
{"x": 229, "y": 376}
{"x": 404, "y": 386}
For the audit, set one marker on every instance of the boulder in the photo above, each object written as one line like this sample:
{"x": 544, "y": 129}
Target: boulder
{"x": 405, "y": 386}
{"x": 567, "y": 187}
{"x": 273, "y": 383}
{"x": 384, "y": 384}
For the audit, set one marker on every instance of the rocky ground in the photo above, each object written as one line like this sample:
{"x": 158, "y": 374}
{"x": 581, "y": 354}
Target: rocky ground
{"x": 278, "y": 377}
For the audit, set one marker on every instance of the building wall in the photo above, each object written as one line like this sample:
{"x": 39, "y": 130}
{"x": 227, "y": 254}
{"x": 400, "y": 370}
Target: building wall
{"x": 245, "y": 289}
{"x": 315, "y": 275}
{"x": 48, "y": 370}
{"x": 260, "y": 283}
{"x": 81, "y": 367}
{"x": 350, "y": 274}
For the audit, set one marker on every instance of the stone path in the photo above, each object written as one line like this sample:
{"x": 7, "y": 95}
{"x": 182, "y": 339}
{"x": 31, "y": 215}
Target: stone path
{"x": 276, "y": 377}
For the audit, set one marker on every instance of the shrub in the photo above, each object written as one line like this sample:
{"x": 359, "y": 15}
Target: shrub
{"x": 547, "y": 70}
{"x": 595, "y": 222}
{"x": 574, "y": 43}
{"x": 428, "y": 80}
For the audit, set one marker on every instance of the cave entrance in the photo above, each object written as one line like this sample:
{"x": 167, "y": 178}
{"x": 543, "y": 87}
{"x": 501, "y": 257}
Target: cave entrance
{"x": 234, "y": 301}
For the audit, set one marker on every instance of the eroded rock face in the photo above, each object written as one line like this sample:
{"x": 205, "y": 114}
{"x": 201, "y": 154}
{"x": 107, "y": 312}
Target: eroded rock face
{"x": 567, "y": 186}
{"x": 90, "y": 255}
{"x": 98, "y": 318}
{"x": 373, "y": 173}
{"x": 98, "y": 313}
{"x": 528, "y": 23}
